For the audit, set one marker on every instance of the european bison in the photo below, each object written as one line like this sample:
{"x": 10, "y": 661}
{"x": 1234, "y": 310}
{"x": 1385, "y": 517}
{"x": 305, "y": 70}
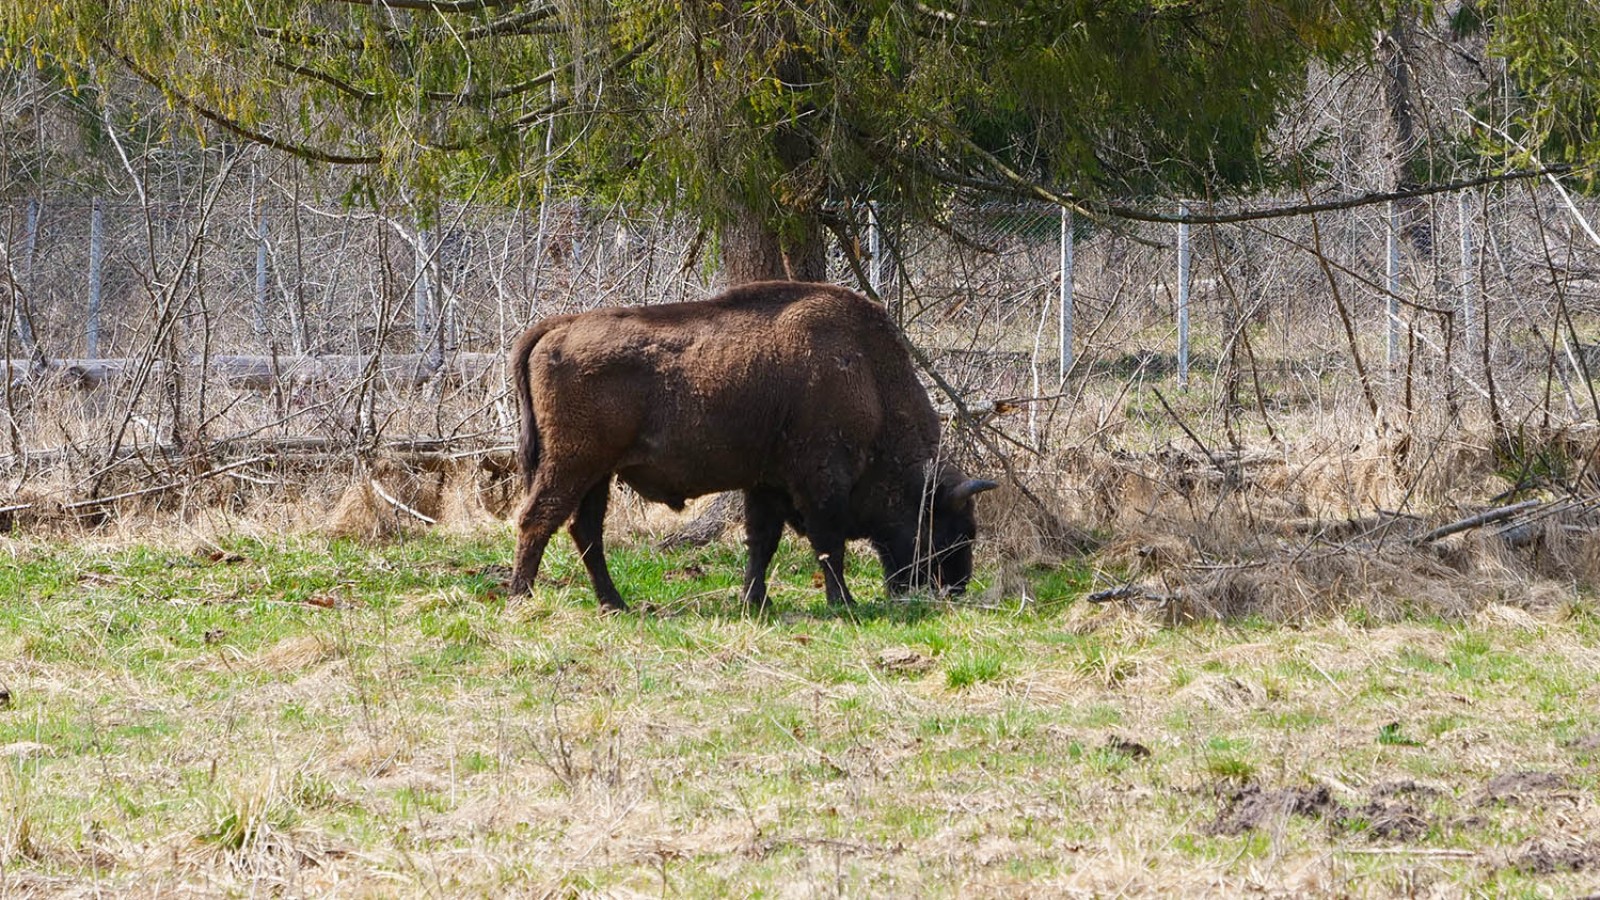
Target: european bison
{"x": 799, "y": 395}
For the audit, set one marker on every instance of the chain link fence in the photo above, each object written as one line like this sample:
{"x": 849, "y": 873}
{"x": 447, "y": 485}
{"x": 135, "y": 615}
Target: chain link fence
{"x": 240, "y": 315}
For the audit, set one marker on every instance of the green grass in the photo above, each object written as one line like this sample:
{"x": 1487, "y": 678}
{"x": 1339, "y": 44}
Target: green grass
{"x": 304, "y": 715}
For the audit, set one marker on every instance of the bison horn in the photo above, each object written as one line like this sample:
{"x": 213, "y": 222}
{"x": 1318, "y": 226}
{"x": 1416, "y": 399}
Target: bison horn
{"x": 971, "y": 487}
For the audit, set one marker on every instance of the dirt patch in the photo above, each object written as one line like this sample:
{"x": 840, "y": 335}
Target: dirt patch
{"x": 904, "y": 660}
{"x": 1386, "y": 820}
{"x": 1122, "y": 745}
{"x": 1512, "y": 787}
{"x": 1541, "y": 857}
{"x": 1382, "y": 817}
{"x": 1253, "y": 807}
{"x": 1406, "y": 788}
{"x": 1589, "y": 743}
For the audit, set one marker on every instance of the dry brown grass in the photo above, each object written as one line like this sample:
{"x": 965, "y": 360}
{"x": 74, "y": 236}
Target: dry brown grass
{"x": 1306, "y": 532}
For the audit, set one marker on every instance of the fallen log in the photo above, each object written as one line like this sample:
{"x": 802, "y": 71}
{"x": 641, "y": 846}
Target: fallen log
{"x": 264, "y": 373}
{"x": 420, "y": 449}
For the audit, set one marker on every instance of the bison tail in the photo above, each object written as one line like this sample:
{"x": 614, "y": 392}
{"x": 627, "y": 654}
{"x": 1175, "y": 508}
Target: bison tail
{"x": 522, "y": 386}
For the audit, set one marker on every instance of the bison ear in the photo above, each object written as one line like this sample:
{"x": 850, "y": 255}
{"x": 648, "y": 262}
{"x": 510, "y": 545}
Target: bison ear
{"x": 971, "y": 487}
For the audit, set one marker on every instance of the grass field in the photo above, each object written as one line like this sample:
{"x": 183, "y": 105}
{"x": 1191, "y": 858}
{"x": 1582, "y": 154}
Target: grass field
{"x": 299, "y": 716}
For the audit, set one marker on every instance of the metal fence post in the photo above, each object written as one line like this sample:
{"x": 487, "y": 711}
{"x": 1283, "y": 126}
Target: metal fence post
{"x": 874, "y": 248}
{"x": 1469, "y": 312}
{"x": 420, "y": 292}
{"x": 1391, "y": 281}
{"x": 96, "y": 260}
{"x": 261, "y": 269}
{"x": 30, "y": 239}
{"x": 1064, "y": 323}
{"x": 1183, "y": 296}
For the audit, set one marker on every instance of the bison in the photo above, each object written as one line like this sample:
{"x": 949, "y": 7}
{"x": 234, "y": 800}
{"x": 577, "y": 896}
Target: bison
{"x": 800, "y": 395}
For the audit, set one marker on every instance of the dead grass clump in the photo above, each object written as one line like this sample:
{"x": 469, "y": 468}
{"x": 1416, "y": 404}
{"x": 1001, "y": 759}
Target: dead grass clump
{"x": 1586, "y": 561}
{"x": 29, "y": 510}
{"x": 17, "y": 839}
{"x": 301, "y": 653}
{"x": 1033, "y": 529}
{"x": 358, "y": 514}
{"x": 251, "y": 830}
{"x": 374, "y": 758}
{"x": 1148, "y": 552}
{"x": 1501, "y": 616}
{"x": 1563, "y": 548}
{"x": 470, "y": 499}
{"x": 1340, "y": 482}
{"x": 1223, "y": 693}
{"x": 1230, "y": 594}
{"x": 1384, "y": 587}
{"x": 388, "y": 500}
{"x": 1457, "y": 472}
{"x": 1327, "y": 527}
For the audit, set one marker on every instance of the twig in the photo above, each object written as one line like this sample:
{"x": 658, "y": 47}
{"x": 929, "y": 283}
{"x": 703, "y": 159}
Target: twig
{"x": 1212, "y": 457}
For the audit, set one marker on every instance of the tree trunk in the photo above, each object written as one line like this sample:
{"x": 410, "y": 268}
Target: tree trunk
{"x": 753, "y": 250}
{"x": 1398, "y": 47}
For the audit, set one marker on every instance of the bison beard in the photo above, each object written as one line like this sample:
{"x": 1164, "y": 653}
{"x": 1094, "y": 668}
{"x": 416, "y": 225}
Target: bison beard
{"x": 799, "y": 395}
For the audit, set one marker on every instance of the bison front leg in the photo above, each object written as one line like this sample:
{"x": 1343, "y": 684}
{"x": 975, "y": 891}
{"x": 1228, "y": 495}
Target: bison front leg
{"x": 825, "y": 527}
{"x": 764, "y": 512}
{"x": 898, "y": 552}
{"x": 588, "y": 531}
{"x": 829, "y": 546}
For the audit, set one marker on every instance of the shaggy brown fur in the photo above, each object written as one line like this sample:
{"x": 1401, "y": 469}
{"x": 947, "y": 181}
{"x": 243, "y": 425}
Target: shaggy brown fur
{"x": 800, "y": 395}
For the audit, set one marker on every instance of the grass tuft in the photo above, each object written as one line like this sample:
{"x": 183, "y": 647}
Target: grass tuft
{"x": 979, "y": 667}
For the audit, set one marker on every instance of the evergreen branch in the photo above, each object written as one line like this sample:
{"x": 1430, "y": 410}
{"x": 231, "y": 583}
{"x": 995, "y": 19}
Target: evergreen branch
{"x": 338, "y": 84}
{"x": 511, "y": 24}
{"x": 614, "y": 67}
{"x": 438, "y": 6}
{"x": 1021, "y": 187}
{"x": 238, "y": 128}
{"x": 522, "y": 87}
{"x": 366, "y": 96}
{"x": 289, "y": 38}
{"x": 1371, "y": 198}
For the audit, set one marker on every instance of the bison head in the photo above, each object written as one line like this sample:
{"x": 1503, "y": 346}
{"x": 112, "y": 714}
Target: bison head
{"x": 940, "y": 555}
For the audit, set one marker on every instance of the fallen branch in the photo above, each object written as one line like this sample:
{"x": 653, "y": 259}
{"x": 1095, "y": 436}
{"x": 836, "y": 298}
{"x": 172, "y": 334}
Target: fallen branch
{"x": 142, "y": 492}
{"x": 129, "y": 495}
{"x": 1127, "y": 592}
{"x": 264, "y": 373}
{"x": 1484, "y": 518}
{"x": 1445, "y": 852}
{"x": 395, "y": 502}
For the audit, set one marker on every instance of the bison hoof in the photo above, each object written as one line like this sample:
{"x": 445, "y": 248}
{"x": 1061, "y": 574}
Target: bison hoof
{"x": 520, "y": 586}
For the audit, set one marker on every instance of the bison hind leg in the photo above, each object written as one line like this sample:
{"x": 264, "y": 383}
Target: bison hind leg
{"x": 550, "y": 502}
